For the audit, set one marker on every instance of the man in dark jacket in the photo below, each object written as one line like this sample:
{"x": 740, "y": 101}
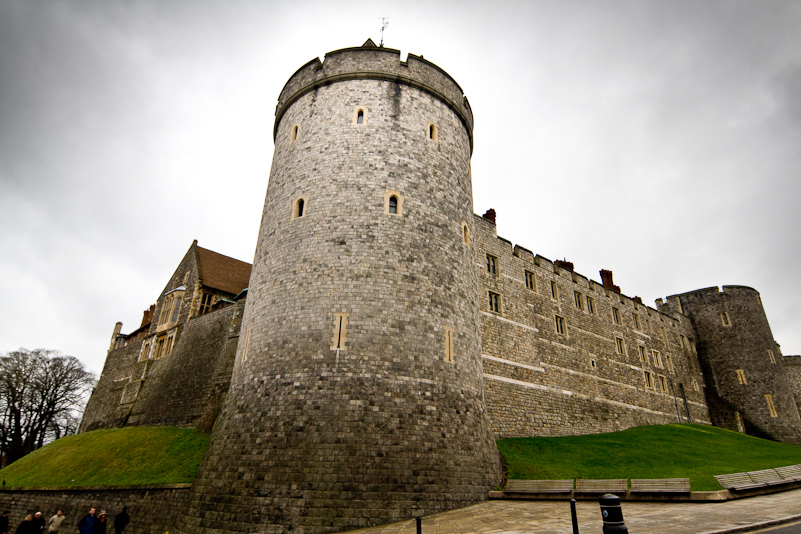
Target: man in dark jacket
{"x": 39, "y": 522}
{"x": 87, "y": 524}
{"x": 121, "y": 521}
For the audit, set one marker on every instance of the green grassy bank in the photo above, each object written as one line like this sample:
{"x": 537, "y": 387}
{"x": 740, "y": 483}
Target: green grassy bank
{"x": 661, "y": 451}
{"x": 125, "y": 456}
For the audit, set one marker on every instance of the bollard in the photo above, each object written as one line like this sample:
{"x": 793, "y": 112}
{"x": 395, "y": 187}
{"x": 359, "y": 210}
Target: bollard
{"x": 419, "y": 524}
{"x": 573, "y": 516}
{"x": 612, "y": 514}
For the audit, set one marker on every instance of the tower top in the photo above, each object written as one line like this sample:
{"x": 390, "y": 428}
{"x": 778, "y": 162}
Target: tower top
{"x": 370, "y": 62}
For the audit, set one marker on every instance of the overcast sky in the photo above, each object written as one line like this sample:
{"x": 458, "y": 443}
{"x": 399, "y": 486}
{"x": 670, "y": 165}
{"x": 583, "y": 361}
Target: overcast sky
{"x": 658, "y": 139}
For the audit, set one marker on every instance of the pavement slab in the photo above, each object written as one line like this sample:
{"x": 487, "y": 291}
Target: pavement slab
{"x": 553, "y": 517}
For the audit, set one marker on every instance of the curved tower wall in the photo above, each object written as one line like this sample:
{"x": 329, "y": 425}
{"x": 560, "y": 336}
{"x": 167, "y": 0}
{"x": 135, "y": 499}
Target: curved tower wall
{"x": 735, "y": 345}
{"x": 320, "y": 439}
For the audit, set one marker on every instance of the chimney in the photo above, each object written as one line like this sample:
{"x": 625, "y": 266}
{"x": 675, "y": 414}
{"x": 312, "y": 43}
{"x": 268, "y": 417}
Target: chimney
{"x": 490, "y": 215}
{"x": 117, "y": 329}
{"x": 606, "y": 280}
{"x": 147, "y": 316}
{"x": 564, "y": 264}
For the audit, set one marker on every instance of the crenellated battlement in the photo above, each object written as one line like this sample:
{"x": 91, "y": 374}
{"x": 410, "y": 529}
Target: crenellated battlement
{"x": 370, "y": 62}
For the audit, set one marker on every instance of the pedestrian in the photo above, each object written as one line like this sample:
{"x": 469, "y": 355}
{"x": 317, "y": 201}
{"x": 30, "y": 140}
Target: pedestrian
{"x": 38, "y": 523}
{"x": 4, "y": 522}
{"x": 121, "y": 521}
{"x": 55, "y": 523}
{"x": 101, "y": 523}
{"x": 27, "y": 526}
{"x": 87, "y": 524}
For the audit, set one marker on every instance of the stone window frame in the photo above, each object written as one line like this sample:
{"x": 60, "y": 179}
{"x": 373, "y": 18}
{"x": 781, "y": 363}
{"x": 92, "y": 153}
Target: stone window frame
{"x": 695, "y": 385}
{"x": 683, "y": 342}
{"x": 620, "y": 346}
{"x": 170, "y": 308}
{"x": 669, "y": 364}
{"x": 399, "y": 203}
{"x": 637, "y": 323}
{"x": 643, "y": 353}
{"x": 593, "y": 363}
{"x": 432, "y": 132}
{"x": 206, "y": 302}
{"x": 616, "y": 315}
{"x": 246, "y": 348}
{"x": 448, "y": 344}
{"x": 465, "y": 234}
{"x": 741, "y": 377}
{"x": 771, "y": 356}
{"x": 300, "y": 207}
{"x": 657, "y": 357}
{"x": 771, "y": 406}
{"x": 355, "y": 120}
{"x": 648, "y": 377}
{"x": 663, "y": 384}
{"x": 294, "y": 132}
{"x": 495, "y": 302}
{"x": 725, "y": 319}
{"x": 554, "y": 290}
{"x": 340, "y": 337}
{"x": 492, "y": 265}
{"x": 591, "y": 305}
{"x": 577, "y": 300}
{"x": 145, "y": 354}
{"x": 560, "y": 325}
{"x": 531, "y": 280}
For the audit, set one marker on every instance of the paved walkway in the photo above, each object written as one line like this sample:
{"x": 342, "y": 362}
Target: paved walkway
{"x": 553, "y": 517}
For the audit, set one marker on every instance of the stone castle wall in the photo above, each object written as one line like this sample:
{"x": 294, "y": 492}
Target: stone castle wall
{"x": 792, "y": 366}
{"x": 540, "y": 382}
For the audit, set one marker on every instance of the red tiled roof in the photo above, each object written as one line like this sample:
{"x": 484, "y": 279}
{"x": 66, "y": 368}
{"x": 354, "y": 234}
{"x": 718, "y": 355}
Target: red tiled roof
{"x": 221, "y": 272}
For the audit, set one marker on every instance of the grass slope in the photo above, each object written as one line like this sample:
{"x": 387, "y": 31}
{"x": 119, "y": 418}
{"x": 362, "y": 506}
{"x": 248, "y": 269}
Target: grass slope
{"x": 125, "y": 456}
{"x": 661, "y": 451}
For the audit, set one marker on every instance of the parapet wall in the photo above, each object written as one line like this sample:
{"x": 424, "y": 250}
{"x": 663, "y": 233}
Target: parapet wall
{"x": 539, "y": 381}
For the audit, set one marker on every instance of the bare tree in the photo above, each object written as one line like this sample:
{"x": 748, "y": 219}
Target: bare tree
{"x": 41, "y": 393}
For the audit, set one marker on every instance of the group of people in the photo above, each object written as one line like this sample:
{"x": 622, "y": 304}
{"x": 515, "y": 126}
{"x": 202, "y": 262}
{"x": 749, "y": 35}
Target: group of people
{"x": 90, "y": 524}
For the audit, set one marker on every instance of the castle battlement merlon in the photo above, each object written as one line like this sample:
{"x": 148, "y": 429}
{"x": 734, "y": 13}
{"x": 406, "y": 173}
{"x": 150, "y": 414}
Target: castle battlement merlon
{"x": 370, "y": 62}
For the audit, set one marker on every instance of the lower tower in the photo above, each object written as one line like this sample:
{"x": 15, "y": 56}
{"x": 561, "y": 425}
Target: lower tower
{"x": 356, "y": 397}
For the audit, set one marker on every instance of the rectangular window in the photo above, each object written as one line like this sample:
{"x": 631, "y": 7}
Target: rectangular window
{"x": 616, "y": 315}
{"x": 591, "y": 305}
{"x": 166, "y": 308}
{"x": 669, "y": 363}
{"x": 724, "y": 318}
{"x": 492, "y": 264}
{"x": 657, "y": 358}
{"x": 636, "y": 321}
{"x": 205, "y": 304}
{"x": 145, "y": 351}
{"x": 176, "y": 310}
{"x": 531, "y": 280}
{"x": 554, "y": 289}
{"x": 683, "y": 340}
{"x": 560, "y": 325}
{"x": 620, "y": 346}
{"x": 577, "y": 299}
{"x": 448, "y": 344}
{"x": 494, "y": 302}
{"x": 159, "y": 349}
{"x": 340, "y": 331}
{"x": 643, "y": 354}
{"x": 771, "y": 356}
{"x": 663, "y": 383}
{"x": 247, "y": 344}
{"x": 771, "y": 407}
{"x": 649, "y": 379}
{"x": 741, "y": 376}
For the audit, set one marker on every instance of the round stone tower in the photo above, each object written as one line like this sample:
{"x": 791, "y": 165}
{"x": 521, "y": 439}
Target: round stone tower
{"x": 356, "y": 397}
{"x": 747, "y": 384}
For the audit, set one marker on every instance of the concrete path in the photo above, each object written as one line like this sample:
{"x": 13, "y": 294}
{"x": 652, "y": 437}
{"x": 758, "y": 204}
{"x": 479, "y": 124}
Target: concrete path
{"x": 553, "y": 517}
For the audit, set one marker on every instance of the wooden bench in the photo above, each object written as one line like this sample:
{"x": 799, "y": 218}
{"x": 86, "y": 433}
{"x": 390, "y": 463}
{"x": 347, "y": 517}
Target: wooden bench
{"x": 790, "y": 473}
{"x": 608, "y": 485}
{"x": 539, "y": 486}
{"x": 660, "y": 485}
{"x": 768, "y": 477}
{"x": 738, "y": 481}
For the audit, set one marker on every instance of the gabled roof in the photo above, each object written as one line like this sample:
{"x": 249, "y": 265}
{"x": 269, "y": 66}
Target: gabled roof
{"x": 221, "y": 272}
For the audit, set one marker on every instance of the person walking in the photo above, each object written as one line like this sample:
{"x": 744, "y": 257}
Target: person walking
{"x": 87, "y": 524}
{"x": 4, "y": 522}
{"x": 26, "y": 526}
{"x": 39, "y": 522}
{"x": 120, "y": 521}
{"x": 55, "y": 523}
{"x": 101, "y": 523}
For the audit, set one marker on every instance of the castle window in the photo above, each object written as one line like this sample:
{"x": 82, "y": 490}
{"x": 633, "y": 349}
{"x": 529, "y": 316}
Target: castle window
{"x": 448, "y": 344}
{"x": 616, "y": 315}
{"x": 294, "y": 134}
{"x": 657, "y": 358}
{"x": 340, "y": 331}
{"x": 299, "y": 208}
{"x": 577, "y": 299}
{"x": 663, "y": 383}
{"x": 554, "y": 290}
{"x": 247, "y": 344}
{"x": 494, "y": 302}
{"x": 643, "y": 354}
{"x": 649, "y": 379}
{"x": 771, "y": 357}
{"x": 741, "y": 376}
{"x": 724, "y": 318}
{"x": 160, "y": 347}
{"x": 637, "y": 324}
{"x": 145, "y": 351}
{"x": 683, "y": 342}
{"x": 695, "y": 385}
{"x": 465, "y": 233}
{"x": 593, "y": 364}
{"x": 531, "y": 280}
{"x": 205, "y": 304}
{"x": 432, "y": 132}
{"x": 591, "y": 305}
{"x": 393, "y": 203}
{"x": 771, "y": 407}
{"x": 360, "y": 117}
{"x": 620, "y": 346}
{"x": 176, "y": 310}
{"x": 560, "y": 326}
{"x": 669, "y": 363}
{"x": 492, "y": 264}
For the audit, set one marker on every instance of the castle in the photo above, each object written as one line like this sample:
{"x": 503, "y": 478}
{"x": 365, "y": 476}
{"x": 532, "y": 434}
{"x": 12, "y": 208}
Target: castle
{"x": 386, "y": 335}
